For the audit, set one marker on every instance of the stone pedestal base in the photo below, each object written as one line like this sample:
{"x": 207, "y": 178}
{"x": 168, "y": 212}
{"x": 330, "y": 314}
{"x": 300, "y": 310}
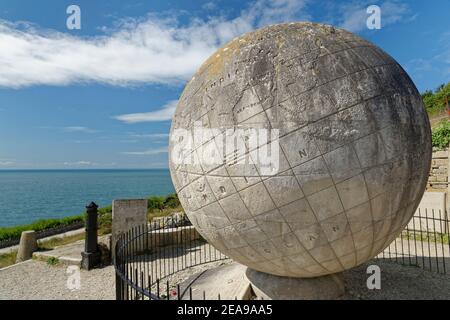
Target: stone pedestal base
{"x": 90, "y": 260}
{"x": 271, "y": 287}
{"x": 236, "y": 281}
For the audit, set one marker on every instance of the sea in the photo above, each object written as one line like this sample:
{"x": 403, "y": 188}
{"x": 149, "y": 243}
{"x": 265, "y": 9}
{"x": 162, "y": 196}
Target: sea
{"x": 29, "y": 195}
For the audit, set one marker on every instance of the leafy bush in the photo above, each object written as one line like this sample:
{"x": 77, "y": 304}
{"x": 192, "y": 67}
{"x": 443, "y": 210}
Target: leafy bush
{"x": 104, "y": 210}
{"x": 156, "y": 202}
{"x": 104, "y": 223}
{"x": 441, "y": 135}
{"x": 52, "y": 261}
{"x": 172, "y": 201}
{"x": 435, "y": 102}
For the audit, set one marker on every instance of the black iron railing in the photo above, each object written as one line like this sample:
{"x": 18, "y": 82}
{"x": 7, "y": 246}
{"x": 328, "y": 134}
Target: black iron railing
{"x": 146, "y": 257}
{"x": 425, "y": 242}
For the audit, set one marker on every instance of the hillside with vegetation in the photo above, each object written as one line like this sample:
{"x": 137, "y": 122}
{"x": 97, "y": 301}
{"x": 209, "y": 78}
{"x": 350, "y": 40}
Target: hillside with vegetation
{"x": 436, "y": 103}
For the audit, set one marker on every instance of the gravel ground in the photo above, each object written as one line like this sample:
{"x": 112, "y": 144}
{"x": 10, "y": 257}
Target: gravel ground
{"x": 37, "y": 280}
{"x": 397, "y": 282}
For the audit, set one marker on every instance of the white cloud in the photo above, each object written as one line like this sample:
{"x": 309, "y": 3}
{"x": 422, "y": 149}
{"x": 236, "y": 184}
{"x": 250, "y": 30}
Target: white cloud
{"x": 79, "y": 129}
{"x": 163, "y": 114}
{"x": 79, "y": 163}
{"x": 354, "y": 15}
{"x": 209, "y": 5}
{"x": 420, "y": 64}
{"x": 6, "y": 163}
{"x": 147, "y": 152}
{"x": 435, "y": 65}
{"x": 152, "y": 50}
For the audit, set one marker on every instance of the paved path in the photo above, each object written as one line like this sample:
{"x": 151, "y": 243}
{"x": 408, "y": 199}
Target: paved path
{"x": 36, "y": 280}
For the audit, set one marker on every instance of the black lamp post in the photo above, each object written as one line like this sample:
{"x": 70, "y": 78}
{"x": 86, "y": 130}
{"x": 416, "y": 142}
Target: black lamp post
{"x": 91, "y": 255}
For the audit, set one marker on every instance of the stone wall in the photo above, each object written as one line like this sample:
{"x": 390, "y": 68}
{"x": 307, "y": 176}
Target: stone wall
{"x": 438, "y": 178}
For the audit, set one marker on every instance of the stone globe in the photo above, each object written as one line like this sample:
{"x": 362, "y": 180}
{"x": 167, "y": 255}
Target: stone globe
{"x": 300, "y": 150}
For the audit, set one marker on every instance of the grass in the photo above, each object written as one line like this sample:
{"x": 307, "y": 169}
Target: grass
{"x": 426, "y": 236}
{"x": 162, "y": 213}
{"x": 52, "y": 261}
{"x": 7, "y": 259}
{"x": 57, "y": 242}
{"x": 436, "y": 112}
{"x": 54, "y": 242}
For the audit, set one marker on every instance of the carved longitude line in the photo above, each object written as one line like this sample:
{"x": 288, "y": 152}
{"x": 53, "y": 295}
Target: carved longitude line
{"x": 306, "y": 199}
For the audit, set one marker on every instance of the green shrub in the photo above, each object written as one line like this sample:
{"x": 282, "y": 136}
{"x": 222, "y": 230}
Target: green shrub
{"x": 8, "y": 233}
{"x": 435, "y": 102}
{"x": 172, "y": 201}
{"x": 104, "y": 221}
{"x": 156, "y": 202}
{"x": 441, "y": 135}
{"x": 52, "y": 261}
{"x": 104, "y": 210}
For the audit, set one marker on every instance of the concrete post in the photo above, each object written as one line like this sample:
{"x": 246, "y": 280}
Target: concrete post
{"x": 127, "y": 214}
{"x": 28, "y": 245}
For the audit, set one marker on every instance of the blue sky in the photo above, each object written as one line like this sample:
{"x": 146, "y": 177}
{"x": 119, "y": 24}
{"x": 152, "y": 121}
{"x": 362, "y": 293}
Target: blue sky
{"x": 102, "y": 96}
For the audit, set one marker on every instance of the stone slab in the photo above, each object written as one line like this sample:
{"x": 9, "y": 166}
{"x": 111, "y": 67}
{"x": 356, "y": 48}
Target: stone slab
{"x": 127, "y": 214}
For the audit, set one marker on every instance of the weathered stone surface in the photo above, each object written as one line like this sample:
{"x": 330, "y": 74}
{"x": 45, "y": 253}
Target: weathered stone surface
{"x": 354, "y": 150}
{"x": 227, "y": 282}
{"x": 440, "y": 154}
{"x": 127, "y": 214}
{"x": 28, "y": 245}
{"x": 270, "y": 287}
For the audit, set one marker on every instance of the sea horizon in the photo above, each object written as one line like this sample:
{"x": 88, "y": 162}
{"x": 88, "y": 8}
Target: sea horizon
{"x": 27, "y": 195}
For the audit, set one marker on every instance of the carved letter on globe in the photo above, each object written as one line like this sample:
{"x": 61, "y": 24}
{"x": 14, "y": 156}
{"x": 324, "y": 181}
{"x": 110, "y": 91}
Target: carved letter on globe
{"x": 347, "y": 134}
